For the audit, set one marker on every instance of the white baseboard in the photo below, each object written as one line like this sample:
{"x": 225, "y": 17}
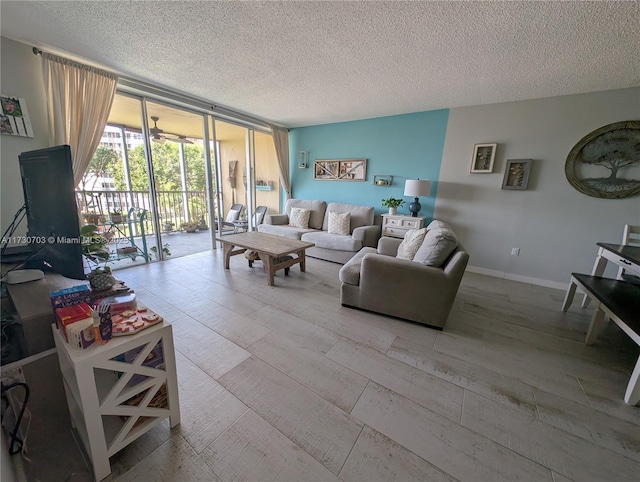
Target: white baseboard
{"x": 518, "y": 277}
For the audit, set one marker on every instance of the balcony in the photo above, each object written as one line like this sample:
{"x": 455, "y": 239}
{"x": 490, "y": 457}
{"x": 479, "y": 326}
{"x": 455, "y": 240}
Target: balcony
{"x": 126, "y": 218}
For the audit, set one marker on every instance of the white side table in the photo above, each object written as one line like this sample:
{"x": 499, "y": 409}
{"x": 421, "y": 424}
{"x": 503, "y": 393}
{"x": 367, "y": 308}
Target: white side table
{"x": 396, "y": 225}
{"x": 96, "y": 384}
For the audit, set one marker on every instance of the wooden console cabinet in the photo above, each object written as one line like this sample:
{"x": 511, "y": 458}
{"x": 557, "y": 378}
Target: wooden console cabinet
{"x": 396, "y": 225}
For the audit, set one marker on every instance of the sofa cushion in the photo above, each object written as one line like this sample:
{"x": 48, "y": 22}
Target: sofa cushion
{"x": 350, "y": 272}
{"x": 317, "y": 208}
{"x": 411, "y": 243}
{"x": 339, "y": 223}
{"x": 323, "y": 239}
{"x": 360, "y": 215}
{"x": 285, "y": 230}
{"x": 299, "y": 218}
{"x": 436, "y": 248}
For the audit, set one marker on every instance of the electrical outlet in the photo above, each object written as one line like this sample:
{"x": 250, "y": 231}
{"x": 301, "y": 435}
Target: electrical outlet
{"x": 515, "y": 251}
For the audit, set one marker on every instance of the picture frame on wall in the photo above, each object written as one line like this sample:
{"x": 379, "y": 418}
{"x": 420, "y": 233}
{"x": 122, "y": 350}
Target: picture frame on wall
{"x": 14, "y": 116}
{"x": 483, "y": 157}
{"x": 340, "y": 170}
{"x": 516, "y": 174}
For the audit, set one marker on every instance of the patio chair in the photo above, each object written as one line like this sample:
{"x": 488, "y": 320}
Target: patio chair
{"x": 258, "y": 216}
{"x": 232, "y": 216}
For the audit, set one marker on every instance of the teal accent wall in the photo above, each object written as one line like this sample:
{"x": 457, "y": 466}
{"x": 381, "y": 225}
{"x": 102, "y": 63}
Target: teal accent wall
{"x": 407, "y": 146}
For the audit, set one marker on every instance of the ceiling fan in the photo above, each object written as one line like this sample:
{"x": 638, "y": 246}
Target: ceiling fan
{"x": 160, "y": 136}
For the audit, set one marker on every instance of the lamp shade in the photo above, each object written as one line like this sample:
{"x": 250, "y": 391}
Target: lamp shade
{"x": 417, "y": 187}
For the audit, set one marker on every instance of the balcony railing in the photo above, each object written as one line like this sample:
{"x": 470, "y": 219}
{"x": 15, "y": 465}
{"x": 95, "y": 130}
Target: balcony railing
{"x": 174, "y": 207}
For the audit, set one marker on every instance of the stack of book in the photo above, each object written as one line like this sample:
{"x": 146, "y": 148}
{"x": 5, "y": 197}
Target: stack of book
{"x": 74, "y": 315}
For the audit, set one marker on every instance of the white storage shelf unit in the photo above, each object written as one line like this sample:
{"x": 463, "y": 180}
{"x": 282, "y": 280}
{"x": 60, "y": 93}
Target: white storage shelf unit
{"x": 97, "y": 384}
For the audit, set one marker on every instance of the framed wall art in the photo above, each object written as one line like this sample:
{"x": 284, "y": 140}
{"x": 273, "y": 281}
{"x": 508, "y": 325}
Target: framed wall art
{"x": 606, "y": 162}
{"x": 516, "y": 174}
{"x": 340, "y": 170}
{"x": 483, "y": 157}
{"x": 14, "y": 116}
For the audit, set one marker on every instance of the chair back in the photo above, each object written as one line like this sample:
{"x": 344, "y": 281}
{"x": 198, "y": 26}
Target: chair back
{"x": 258, "y": 217}
{"x": 234, "y": 213}
{"x": 631, "y": 235}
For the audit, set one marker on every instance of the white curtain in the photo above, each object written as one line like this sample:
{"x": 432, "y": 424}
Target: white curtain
{"x": 281, "y": 141}
{"x": 79, "y": 99}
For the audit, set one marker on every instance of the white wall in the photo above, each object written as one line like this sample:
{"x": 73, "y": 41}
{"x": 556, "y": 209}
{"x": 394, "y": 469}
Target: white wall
{"x": 21, "y": 77}
{"x": 555, "y": 226}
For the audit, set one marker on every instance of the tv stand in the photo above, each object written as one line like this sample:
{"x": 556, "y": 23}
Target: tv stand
{"x": 32, "y": 304}
{"x": 31, "y": 301}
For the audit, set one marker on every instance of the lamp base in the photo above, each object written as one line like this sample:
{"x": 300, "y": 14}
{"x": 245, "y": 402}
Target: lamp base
{"x": 415, "y": 208}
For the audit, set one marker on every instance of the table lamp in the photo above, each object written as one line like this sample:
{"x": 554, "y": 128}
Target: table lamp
{"x": 416, "y": 188}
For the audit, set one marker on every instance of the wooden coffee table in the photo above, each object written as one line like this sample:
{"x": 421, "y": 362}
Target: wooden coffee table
{"x": 269, "y": 247}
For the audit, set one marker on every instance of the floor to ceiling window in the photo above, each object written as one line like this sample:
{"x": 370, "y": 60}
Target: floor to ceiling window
{"x": 159, "y": 194}
{"x": 231, "y": 150}
{"x": 266, "y": 182}
{"x": 179, "y": 179}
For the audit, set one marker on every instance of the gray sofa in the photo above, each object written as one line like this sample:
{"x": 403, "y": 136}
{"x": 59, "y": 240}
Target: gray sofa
{"x": 376, "y": 280}
{"x": 364, "y": 230}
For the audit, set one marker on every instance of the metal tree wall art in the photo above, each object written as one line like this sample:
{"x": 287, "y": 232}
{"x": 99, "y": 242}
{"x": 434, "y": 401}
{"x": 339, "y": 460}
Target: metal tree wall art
{"x": 606, "y": 162}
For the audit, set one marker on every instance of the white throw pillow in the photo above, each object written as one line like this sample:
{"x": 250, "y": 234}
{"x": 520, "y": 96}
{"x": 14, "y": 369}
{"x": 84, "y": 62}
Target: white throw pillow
{"x": 437, "y": 246}
{"x": 411, "y": 243}
{"x": 436, "y": 223}
{"x": 299, "y": 218}
{"x": 339, "y": 223}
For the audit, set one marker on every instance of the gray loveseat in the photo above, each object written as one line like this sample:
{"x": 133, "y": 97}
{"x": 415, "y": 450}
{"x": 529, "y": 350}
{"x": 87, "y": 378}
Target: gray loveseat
{"x": 364, "y": 229}
{"x": 376, "y": 280}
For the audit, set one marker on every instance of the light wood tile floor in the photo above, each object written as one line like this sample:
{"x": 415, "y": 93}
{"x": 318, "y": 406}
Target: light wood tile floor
{"x": 282, "y": 383}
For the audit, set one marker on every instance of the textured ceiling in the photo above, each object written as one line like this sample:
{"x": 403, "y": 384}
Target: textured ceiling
{"x": 305, "y": 63}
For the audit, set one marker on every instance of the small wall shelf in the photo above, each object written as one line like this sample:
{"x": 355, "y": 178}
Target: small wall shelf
{"x": 263, "y": 185}
{"x": 382, "y": 180}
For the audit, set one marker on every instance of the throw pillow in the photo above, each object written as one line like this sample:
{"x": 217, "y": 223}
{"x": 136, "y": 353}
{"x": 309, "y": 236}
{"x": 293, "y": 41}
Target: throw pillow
{"x": 411, "y": 243}
{"x": 339, "y": 223}
{"x": 436, "y": 223}
{"x": 299, "y": 218}
{"x": 437, "y": 246}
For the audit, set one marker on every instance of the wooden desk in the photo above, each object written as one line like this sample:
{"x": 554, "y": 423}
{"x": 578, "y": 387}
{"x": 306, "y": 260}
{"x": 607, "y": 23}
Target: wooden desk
{"x": 269, "y": 247}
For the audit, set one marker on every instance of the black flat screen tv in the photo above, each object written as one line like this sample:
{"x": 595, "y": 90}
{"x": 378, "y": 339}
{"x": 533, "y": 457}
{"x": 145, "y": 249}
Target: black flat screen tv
{"x": 53, "y": 228}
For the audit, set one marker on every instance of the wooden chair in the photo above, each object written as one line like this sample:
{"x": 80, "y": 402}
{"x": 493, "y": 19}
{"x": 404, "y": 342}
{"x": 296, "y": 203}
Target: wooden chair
{"x": 631, "y": 236}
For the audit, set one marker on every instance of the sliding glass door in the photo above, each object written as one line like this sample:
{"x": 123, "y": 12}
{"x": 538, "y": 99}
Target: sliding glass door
{"x": 177, "y": 154}
{"x": 166, "y": 181}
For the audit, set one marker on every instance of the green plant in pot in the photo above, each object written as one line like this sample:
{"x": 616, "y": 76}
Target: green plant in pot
{"x": 165, "y": 250}
{"x": 202, "y": 225}
{"x": 91, "y": 218}
{"x": 167, "y": 226}
{"x": 101, "y": 279}
{"x": 95, "y": 249}
{"x": 190, "y": 227}
{"x": 116, "y": 216}
{"x": 392, "y": 203}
